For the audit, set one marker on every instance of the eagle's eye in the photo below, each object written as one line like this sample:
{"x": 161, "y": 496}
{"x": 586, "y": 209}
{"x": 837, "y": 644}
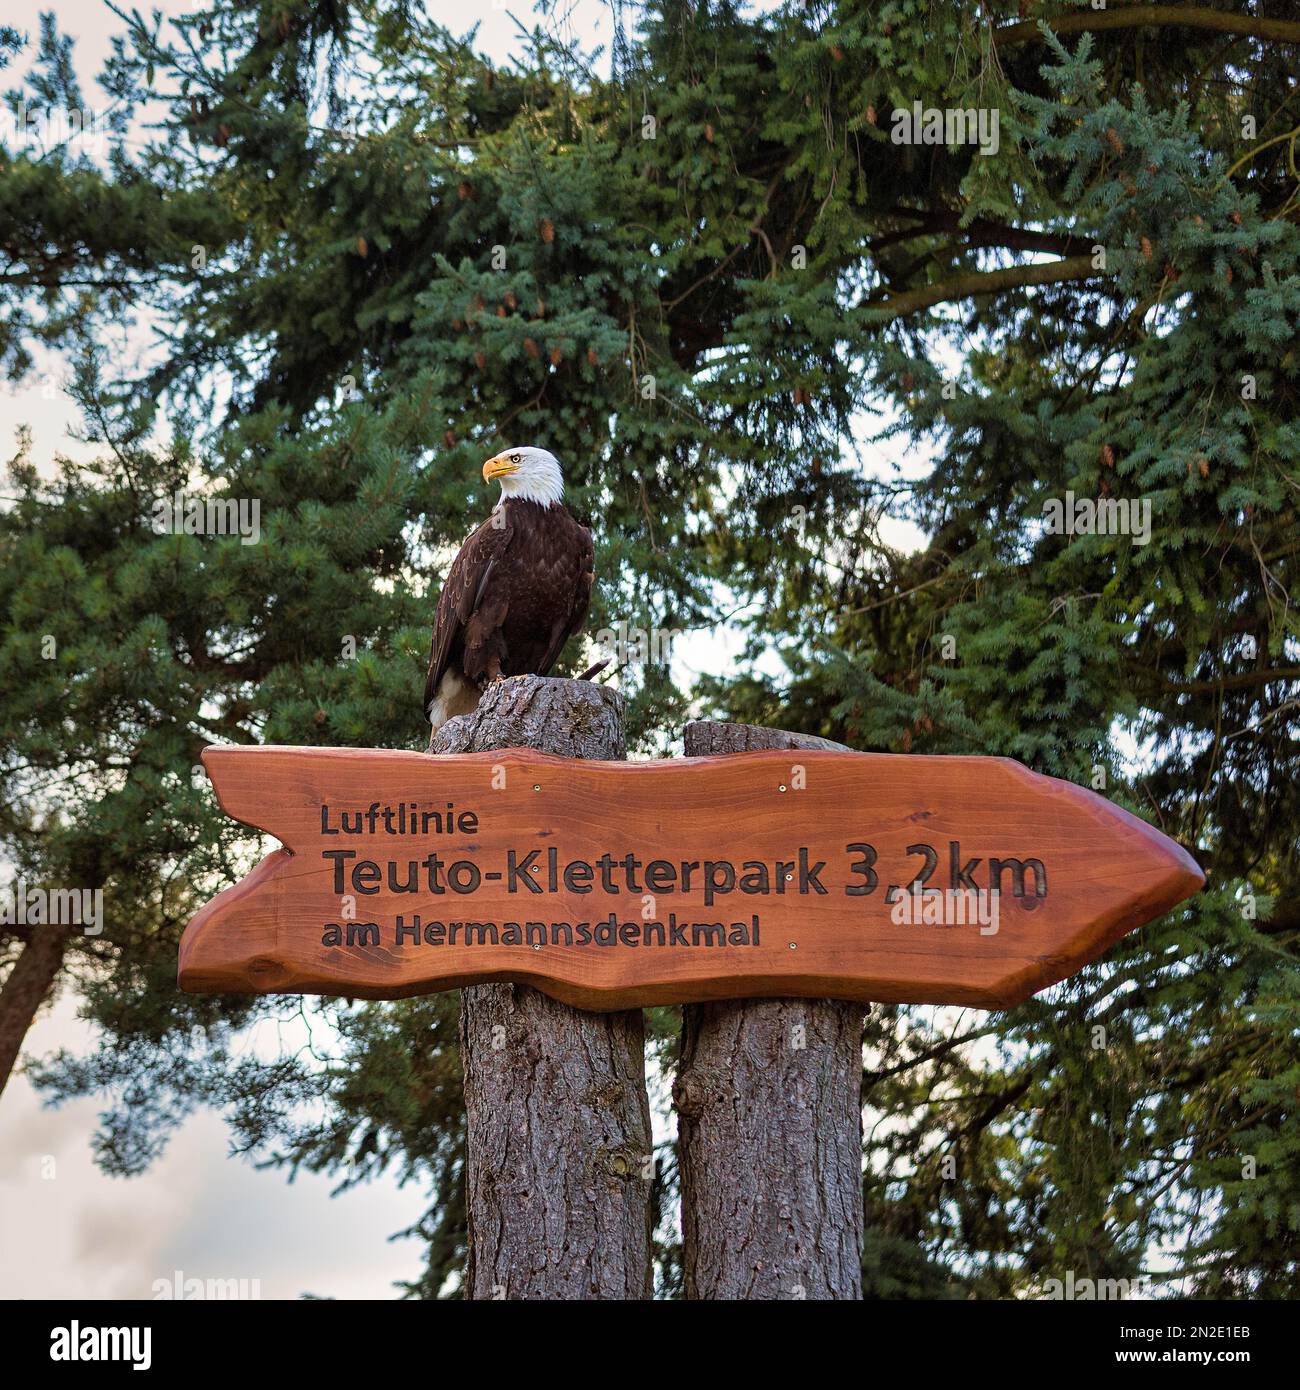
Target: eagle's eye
{"x": 514, "y": 458}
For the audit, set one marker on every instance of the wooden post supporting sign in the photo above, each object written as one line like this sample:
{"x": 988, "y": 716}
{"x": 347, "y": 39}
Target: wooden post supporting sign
{"x": 557, "y": 1119}
{"x": 769, "y": 1122}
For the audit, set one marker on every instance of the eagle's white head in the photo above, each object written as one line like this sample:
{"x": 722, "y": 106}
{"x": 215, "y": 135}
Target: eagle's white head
{"x": 530, "y": 474}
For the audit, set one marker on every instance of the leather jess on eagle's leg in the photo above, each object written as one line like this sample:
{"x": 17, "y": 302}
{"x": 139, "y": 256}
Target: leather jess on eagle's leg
{"x": 769, "y": 1124}
{"x": 558, "y": 1118}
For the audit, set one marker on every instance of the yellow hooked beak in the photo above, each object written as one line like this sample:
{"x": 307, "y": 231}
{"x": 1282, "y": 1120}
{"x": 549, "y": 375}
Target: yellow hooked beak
{"x": 499, "y": 467}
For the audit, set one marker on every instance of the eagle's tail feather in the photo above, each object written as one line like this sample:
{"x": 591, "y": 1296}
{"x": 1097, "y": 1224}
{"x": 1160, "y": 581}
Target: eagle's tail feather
{"x": 455, "y": 696}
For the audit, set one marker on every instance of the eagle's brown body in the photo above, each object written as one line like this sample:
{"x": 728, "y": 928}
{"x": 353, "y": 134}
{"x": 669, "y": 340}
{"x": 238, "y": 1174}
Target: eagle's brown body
{"x": 517, "y": 590}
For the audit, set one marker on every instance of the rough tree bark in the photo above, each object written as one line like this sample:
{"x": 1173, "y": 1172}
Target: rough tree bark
{"x": 559, "y": 1150}
{"x": 26, "y": 988}
{"x": 769, "y": 1121}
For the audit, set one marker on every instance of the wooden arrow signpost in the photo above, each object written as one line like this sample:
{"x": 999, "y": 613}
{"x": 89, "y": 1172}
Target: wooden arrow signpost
{"x": 945, "y": 880}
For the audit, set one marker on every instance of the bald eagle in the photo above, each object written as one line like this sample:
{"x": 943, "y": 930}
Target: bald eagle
{"x": 518, "y": 589}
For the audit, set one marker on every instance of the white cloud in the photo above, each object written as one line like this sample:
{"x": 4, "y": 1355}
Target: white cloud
{"x": 81, "y": 1234}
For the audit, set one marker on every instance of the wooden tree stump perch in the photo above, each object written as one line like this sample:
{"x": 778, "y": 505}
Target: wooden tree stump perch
{"x": 572, "y": 719}
{"x": 768, "y": 1100}
{"x": 559, "y": 1148}
{"x": 707, "y": 737}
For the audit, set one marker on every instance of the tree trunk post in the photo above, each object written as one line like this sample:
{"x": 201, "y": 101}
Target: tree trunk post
{"x": 768, "y": 1100}
{"x": 559, "y": 1155}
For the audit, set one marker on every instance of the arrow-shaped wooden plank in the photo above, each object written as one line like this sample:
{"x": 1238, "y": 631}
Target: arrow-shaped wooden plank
{"x": 613, "y": 885}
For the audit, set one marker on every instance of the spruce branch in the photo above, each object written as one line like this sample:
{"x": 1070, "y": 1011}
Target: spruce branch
{"x": 978, "y": 283}
{"x": 1153, "y": 17}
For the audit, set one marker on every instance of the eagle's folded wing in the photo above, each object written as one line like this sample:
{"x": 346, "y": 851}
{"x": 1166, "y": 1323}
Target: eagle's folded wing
{"x": 462, "y": 592}
{"x": 571, "y": 621}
